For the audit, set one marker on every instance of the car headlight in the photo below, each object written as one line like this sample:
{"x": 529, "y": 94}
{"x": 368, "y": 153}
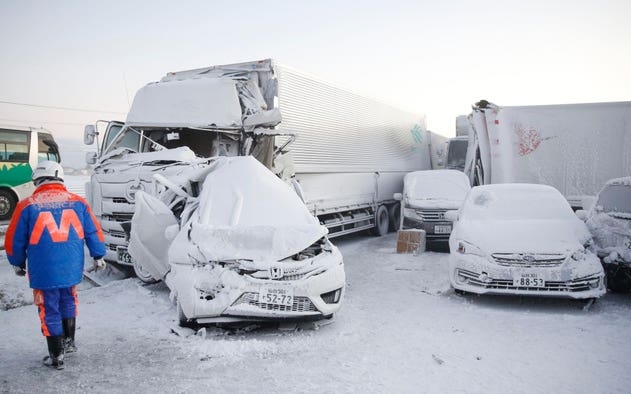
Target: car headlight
{"x": 410, "y": 213}
{"x": 578, "y": 255}
{"x": 465, "y": 247}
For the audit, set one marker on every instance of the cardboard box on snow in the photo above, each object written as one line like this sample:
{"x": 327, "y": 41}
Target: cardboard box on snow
{"x": 411, "y": 241}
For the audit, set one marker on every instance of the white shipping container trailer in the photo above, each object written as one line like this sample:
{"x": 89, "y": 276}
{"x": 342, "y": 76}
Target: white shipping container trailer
{"x": 347, "y": 154}
{"x": 574, "y": 147}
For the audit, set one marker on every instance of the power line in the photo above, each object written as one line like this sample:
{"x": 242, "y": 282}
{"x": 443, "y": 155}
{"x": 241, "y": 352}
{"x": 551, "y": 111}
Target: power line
{"x": 59, "y": 108}
{"x": 32, "y": 122}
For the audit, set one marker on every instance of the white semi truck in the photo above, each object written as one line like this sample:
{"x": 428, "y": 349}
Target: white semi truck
{"x": 345, "y": 154}
{"x": 576, "y": 148}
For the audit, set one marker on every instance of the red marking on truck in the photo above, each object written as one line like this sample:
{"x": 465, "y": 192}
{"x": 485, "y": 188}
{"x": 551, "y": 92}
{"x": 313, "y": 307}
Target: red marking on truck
{"x": 529, "y": 139}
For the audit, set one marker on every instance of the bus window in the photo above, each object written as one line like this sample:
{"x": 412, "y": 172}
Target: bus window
{"x": 14, "y": 146}
{"x": 47, "y": 149}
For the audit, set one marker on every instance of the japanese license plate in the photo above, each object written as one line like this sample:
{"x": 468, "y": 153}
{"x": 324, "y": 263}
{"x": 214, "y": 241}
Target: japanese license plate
{"x": 528, "y": 279}
{"x": 442, "y": 229}
{"x": 276, "y": 295}
{"x": 124, "y": 257}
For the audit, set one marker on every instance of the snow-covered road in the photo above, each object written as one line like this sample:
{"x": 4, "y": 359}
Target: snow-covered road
{"x": 401, "y": 329}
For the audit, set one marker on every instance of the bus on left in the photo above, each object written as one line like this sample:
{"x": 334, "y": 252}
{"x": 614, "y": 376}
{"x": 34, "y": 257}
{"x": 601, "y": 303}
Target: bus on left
{"x": 21, "y": 148}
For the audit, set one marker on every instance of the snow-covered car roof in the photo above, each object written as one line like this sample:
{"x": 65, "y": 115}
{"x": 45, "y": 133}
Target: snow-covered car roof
{"x": 626, "y": 181}
{"x": 436, "y": 184}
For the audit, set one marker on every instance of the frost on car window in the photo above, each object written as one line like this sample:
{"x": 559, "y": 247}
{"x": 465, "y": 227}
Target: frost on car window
{"x": 615, "y": 198}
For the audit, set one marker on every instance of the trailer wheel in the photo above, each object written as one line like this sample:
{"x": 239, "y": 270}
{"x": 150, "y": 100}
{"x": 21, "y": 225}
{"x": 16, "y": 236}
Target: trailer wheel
{"x": 382, "y": 221}
{"x": 143, "y": 274}
{"x": 8, "y": 201}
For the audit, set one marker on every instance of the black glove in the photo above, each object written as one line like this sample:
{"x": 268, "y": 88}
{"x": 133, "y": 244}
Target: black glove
{"x": 20, "y": 271}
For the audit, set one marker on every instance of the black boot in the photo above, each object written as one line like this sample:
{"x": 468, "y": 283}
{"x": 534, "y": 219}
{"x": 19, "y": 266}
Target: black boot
{"x": 55, "y": 356}
{"x": 69, "y": 328}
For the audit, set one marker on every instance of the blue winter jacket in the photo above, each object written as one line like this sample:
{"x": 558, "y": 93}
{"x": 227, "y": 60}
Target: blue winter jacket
{"x": 49, "y": 229}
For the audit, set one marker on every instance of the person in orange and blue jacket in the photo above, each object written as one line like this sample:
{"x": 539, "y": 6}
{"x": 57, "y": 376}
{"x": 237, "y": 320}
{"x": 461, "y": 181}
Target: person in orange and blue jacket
{"x": 49, "y": 229}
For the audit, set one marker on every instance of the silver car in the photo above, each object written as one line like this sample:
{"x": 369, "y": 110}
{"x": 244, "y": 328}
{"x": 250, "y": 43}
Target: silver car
{"x": 522, "y": 239}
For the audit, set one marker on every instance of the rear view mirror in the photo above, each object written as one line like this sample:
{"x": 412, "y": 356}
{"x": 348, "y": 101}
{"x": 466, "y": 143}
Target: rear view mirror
{"x": 398, "y": 196}
{"x": 451, "y": 216}
{"x": 89, "y": 134}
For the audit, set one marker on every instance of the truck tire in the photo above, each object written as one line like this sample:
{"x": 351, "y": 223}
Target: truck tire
{"x": 8, "y": 201}
{"x": 143, "y": 275}
{"x": 382, "y": 221}
{"x": 394, "y": 211}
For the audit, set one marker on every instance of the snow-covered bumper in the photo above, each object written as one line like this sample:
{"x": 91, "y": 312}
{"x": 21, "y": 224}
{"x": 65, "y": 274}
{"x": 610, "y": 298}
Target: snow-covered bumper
{"x": 210, "y": 294}
{"x": 503, "y": 275}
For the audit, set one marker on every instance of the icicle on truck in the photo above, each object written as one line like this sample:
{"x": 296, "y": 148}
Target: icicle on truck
{"x": 345, "y": 155}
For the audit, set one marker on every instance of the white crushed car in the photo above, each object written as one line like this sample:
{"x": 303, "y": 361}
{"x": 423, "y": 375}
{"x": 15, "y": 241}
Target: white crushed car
{"x": 522, "y": 239}
{"x": 609, "y": 221}
{"x": 233, "y": 242}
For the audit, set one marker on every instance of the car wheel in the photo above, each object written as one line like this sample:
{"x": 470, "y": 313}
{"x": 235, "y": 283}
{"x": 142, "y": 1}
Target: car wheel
{"x": 143, "y": 274}
{"x": 619, "y": 280}
{"x": 460, "y": 292}
{"x": 382, "y": 221}
{"x": 7, "y": 204}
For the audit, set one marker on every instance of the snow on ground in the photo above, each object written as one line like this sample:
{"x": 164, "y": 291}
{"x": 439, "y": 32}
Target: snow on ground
{"x": 401, "y": 329}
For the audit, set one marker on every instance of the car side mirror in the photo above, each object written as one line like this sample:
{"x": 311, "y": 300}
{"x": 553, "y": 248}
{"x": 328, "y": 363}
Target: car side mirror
{"x": 89, "y": 134}
{"x": 398, "y": 196}
{"x": 90, "y": 157}
{"x": 582, "y": 214}
{"x": 451, "y": 216}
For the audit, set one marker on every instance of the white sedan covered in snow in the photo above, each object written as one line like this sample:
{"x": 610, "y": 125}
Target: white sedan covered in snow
{"x": 522, "y": 239}
{"x": 233, "y": 242}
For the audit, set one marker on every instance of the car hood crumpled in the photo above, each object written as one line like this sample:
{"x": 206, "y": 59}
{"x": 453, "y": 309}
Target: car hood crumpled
{"x": 245, "y": 212}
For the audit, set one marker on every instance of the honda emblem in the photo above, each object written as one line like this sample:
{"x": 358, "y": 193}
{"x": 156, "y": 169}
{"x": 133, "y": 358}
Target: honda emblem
{"x": 276, "y": 272}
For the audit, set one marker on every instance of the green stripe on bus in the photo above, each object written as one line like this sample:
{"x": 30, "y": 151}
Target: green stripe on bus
{"x": 14, "y": 174}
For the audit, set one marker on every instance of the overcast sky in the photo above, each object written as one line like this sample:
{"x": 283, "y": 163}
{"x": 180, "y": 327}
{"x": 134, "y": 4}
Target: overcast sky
{"x": 431, "y": 57}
